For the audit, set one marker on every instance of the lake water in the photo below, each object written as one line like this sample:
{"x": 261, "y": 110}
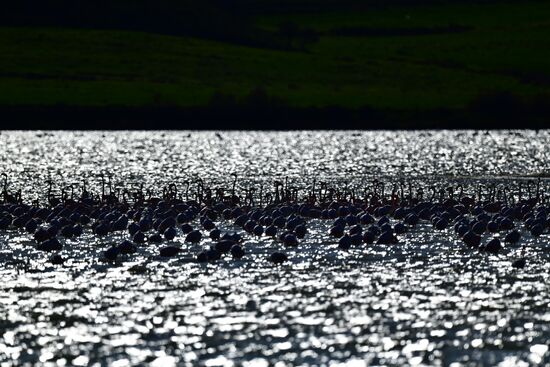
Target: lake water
{"x": 426, "y": 301}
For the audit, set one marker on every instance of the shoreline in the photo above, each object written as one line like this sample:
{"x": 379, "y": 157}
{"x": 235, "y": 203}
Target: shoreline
{"x": 267, "y": 118}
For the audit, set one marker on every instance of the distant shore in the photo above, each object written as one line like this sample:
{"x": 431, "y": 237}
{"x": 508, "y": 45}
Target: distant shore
{"x": 285, "y": 64}
{"x": 270, "y": 118}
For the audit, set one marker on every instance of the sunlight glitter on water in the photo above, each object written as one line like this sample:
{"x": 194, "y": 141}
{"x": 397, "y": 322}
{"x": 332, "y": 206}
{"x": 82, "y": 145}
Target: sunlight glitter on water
{"x": 424, "y": 301}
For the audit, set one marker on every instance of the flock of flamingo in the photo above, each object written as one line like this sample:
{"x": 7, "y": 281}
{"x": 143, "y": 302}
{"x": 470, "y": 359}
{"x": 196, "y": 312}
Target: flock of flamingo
{"x": 381, "y": 213}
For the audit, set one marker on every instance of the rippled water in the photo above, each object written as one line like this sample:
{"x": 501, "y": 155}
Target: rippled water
{"x": 427, "y": 300}
{"x": 159, "y": 157}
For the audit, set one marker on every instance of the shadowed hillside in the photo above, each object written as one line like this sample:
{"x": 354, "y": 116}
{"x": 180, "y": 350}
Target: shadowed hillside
{"x": 408, "y": 64}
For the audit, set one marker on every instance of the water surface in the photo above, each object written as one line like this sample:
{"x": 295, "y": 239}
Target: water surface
{"x": 427, "y": 300}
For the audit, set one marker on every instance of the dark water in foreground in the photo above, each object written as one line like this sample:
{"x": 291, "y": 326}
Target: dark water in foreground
{"x": 425, "y": 301}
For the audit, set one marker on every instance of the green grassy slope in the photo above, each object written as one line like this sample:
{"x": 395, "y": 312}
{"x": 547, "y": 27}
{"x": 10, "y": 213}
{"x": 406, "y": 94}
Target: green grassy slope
{"x": 505, "y": 48}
